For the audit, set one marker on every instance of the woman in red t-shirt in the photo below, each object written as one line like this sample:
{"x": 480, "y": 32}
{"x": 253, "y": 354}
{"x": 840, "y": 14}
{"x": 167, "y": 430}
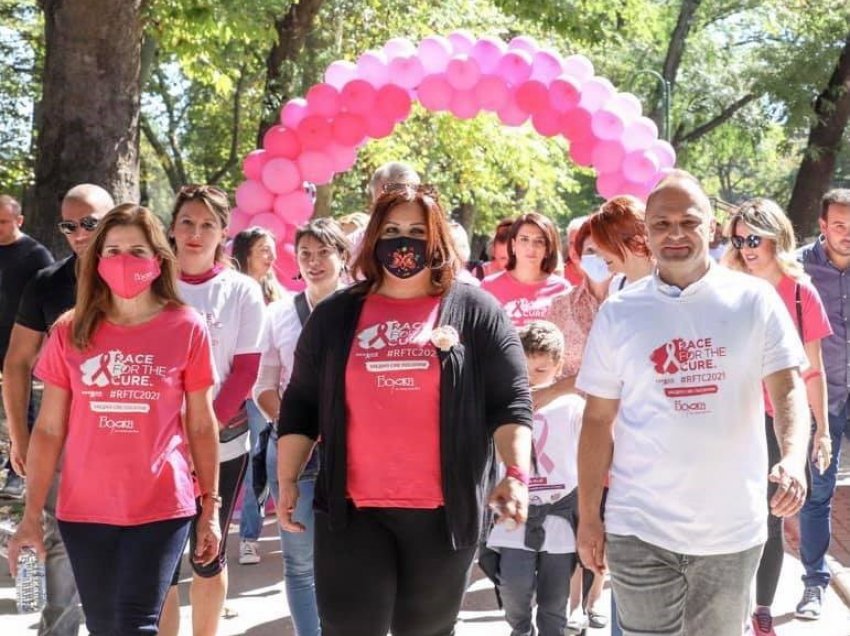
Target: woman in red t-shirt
{"x": 405, "y": 379}
{"x": 117, "y": 371}
{"x": 763, "y": 243}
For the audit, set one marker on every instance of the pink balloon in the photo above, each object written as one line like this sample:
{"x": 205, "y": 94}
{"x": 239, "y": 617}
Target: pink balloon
{"x": 270, "y": 221}
{"x": 665, "y": 153}
{"x": 595, "y": 92}
{"x": 640, "y": 165}
{"x": 394, "y": 102}
{"x": 511, "y": 114}
{"x": 575, "y": 125}
{"x": 253, "y": 197}
{"x": 239, "y": 220}
{"x": 464, "y": 105}
{"x": 610, "y": 185}
{"x": 434, "y": 52}
{"x": 280, "y": 141}
{"x": 515, "y": 67}
{"x": 286, "y": 268}
{"x": 407, "y": 71}
{"x": 281, "y": 175}
{"x": 462, "y": 41}
{"x": 435, "y": 93}
{"x": 607, "y": 123}
{"x": 315, "y": 166}
{"x": 372, "y": 67}
{"x": 581, "y": 152}
{"x": 492, "y": 92}
{"x": 293, "y": 112}
{"x": 462, "y": 72}
{"x": 564, "y": 93}
{"x": 628, "y": 106}
{"x": 546, "y": 65}
{"x": 252, "y": 166}
{"x": 399, "y": 47}
{"x": 579, "y": 67}
{"x": 487, "y": 52}
{"x": 349, "y": 129}
{"x": 608, "y": 156}
{"x": 342, "y": 157}
{"x": 532, "y": 96}
{"x": 294, "y": 208}
{"x": 524, "y": 43}
{"x": 314, "y": 132}
{"x": 358, "y": 96}
{"x": 339, "y": 73}
{"x": 547, "y": 122}
{"x": 323, "y": 100}
{"x": 640, "y": 134}
{"x": 379, "y": 126}
{"x": 639, "y": 190}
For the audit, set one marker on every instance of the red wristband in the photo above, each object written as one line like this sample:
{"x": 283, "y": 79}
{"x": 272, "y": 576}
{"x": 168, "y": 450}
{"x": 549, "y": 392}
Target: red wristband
{"x": 517, "y": 473}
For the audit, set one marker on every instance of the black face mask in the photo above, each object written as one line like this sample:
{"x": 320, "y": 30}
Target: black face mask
{"x": 401, "y": 256}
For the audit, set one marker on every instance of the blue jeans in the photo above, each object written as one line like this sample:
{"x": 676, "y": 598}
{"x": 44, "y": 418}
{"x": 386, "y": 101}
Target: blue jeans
{"x": 297, "y": 549}
{"x": 250, "y": 520}
{"x": 816, "y": 514}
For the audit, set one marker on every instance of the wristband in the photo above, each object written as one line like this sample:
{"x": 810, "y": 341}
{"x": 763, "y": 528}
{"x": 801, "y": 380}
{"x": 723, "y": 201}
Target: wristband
{"x": 517, "y": 473}
{"x": 214, "y": 497}
{"x": 811, "y": 374}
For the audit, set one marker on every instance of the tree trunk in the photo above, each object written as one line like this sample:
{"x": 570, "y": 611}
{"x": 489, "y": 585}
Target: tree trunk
{"x": 89, "y": 116}
{"x": 832, "y": 111}
{"x": 465, "y": 215}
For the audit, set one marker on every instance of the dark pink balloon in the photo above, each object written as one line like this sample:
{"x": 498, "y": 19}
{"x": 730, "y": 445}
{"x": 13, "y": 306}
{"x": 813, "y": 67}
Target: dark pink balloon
{"x": 394, "y": 102}
{"x": 435, "y": 93}
{"x": 547, "y": 122}
{"x": 581, "y": 152}
{"x": 610, "y": 185}
{"x": 272, "y": 222}
{"x": 239, "y": 220}
{"x": 253, "y": 197}
{"x": 564, "y": 93}
{"x": 532, "y": 96}
{"x": 608, "y": 156}
{"x": 349, "y": 129}
{"x": 252, "y": 166}
{"x": 358, "y": 96}
{"x": 315, "y": 166}
{"x": 511, "y": 114}
{"x": 281, "y": 175}
{"x": 575, "y": 124}
{"x": 280, "y": 141}
{"x": 379, "y": 126}
{"x": 295, "y": 208}
{"x": 464, "y": 104}
{"x": 492, "y": 92}
{"x": 342, "y": 157}
{"x": 314, "y": 132}
{"x": 323, "y": 100}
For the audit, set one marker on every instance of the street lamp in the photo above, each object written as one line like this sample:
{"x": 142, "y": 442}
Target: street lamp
{"x": 665, "y": 96}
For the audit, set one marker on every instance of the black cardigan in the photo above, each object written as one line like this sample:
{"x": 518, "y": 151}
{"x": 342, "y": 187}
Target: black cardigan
{"x": 483, "y": 385}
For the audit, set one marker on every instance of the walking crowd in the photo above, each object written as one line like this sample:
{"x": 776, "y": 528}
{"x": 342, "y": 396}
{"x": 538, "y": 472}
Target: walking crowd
{"x": 644, "y": 403}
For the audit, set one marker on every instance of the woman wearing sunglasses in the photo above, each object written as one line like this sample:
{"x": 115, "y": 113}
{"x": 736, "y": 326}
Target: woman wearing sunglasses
{"x": 763, "y": 244}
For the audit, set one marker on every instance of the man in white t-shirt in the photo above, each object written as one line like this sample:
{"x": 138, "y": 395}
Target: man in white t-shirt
{"x": 678, "y": 360}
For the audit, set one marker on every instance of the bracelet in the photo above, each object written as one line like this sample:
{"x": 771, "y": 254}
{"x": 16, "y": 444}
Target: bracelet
{"x": 215, "y": 497}
{"x": 517, "y": 473}
{"x": 811, "y": 374}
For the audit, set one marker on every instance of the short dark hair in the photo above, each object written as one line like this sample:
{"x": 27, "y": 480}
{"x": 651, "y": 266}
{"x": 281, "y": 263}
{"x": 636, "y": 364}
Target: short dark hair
{"x": 542, "y": 337}
{"x": 836, "y": 196}
{"x": 328, "y": 232}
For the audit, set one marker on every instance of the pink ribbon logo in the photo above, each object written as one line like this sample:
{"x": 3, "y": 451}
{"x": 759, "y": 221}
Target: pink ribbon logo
{"x": 541, "y": 424}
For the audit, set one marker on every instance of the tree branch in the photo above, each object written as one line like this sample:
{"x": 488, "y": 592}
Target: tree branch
{"x": 721, "y": 118}
{"x": 233, "y": 155}
{"x": 160, "y": 151}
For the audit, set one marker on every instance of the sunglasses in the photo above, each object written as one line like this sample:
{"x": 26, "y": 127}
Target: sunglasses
{"x": 751, "y": 241}
{"x": 88, "y": 223}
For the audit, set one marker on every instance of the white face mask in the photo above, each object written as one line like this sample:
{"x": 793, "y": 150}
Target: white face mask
{"x": 595, "y": 267}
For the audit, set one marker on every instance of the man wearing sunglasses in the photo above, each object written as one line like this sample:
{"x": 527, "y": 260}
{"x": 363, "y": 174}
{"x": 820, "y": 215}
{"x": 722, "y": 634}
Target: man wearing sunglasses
{"x": 47, "y": 296}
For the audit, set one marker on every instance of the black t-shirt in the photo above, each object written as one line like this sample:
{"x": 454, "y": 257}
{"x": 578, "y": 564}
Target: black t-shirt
{"x": 48, "y": 295}
{"x": 19, "y": 262}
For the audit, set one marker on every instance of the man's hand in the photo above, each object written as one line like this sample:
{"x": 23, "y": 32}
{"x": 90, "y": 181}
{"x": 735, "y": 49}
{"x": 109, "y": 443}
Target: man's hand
{"x": 510, "y": 499}
{"x": 791, "y": 494}
{"x": 591, "y": 544}
{"x": 18, "y": 455}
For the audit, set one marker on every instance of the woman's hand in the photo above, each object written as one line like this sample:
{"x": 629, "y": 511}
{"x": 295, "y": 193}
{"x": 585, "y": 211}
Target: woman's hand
{"x": 286, "y": 502}
{"x": 207, "y": 534}
{"x": 30, "y": 534}
{"x": 510, "y": 499}
{"x": 822, "y": 450}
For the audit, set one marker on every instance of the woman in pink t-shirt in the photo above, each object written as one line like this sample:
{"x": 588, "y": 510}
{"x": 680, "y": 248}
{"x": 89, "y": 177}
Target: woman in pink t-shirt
{"x": 117, "y": 371}
{"x": 527, "y": 286}
{"x": 763, "y": 243}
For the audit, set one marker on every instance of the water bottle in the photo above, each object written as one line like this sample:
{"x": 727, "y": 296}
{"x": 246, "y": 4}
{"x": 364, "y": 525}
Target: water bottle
{"x": 30, "y": 583}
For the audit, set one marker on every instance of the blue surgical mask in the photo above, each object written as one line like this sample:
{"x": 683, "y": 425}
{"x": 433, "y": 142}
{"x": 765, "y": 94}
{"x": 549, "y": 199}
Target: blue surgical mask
{"x": 595, "y": 267}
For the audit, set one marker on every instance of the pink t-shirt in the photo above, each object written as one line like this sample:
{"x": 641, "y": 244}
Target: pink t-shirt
{"x": 392, "y": 396}
{"x": 524, "y": 303}
{"x": 815, "y": 321}
{"x": 125, "y": 460}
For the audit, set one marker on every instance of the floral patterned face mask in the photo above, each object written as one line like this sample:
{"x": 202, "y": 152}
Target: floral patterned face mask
{"x": 401, "y": 256}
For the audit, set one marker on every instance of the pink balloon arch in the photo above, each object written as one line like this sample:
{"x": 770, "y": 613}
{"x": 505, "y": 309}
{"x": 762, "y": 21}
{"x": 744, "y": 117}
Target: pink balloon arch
{"x": 319, "y": 135}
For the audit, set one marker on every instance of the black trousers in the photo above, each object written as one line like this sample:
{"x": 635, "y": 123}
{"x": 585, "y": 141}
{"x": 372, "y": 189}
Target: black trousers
{"x": 389, "y": 569}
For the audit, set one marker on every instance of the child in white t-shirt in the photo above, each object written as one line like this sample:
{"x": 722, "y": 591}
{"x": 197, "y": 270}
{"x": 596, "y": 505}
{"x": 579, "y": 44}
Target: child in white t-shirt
{"x": 537, "y": 559}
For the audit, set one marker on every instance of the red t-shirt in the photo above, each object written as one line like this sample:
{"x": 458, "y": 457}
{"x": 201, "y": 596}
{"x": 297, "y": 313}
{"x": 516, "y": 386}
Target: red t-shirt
{"x": 392, "y": 396}
{"x": 524, "y": 303}
{"x": 815, "y": 321}
{"x": 125, "y": 460}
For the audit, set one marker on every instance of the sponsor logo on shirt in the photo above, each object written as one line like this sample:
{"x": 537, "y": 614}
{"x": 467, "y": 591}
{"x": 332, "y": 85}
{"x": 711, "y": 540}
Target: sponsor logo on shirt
{"x": 689, "y": 369}
{"x": 116, "y": 425}
{"x": 525, "y": 309}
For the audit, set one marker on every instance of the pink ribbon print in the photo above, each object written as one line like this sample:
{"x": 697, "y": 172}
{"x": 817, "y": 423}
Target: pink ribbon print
{"x": 540, "y": 443}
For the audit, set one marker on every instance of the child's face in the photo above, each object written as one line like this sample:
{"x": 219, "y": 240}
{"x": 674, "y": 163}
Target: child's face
{"x": 542, "y": 368}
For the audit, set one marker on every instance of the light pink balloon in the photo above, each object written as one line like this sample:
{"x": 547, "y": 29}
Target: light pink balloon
{"x": 314, "y": 132}
{"x": 511, "y": 114}
{"x": 294, "y": 208}
{"x": 342, "y": 157}
{"x": 462, "y": 72}
{"x": 399, "y": 47}
{"x": 462, "y": 41}
{"x": 393, "y": 102}
{"x": 608, "y": 156}
{"x": 639, "y": 190}
{"x": 524, "y": 43}
{"x": 435, "y": 93}
{"x": 349, "y": 129}
{"x": 372, "y": 67}
{"x": 628, "y": 105}
{"x": 339, "y": 73}
{"x": 239, "y": 220}
{"x": 270, "y": 221}
{"x": 610, "y": 185}
{"x": 464, "y": 104}
{"x": 358, "y": 96}
{"x": 640, "y": 134}
{"x": 434, "y": 52}
{"x": 487, "y": 52}
{"x": 379, "y": 126}
{"x": 281, "y": 175}
{"x": 578, "y": 66}
{"x": 515, "y": 67}
{"x": 532, "y": 96}
{"x": 323, "y": 100}
{"x": 293, "y": 112}
{"x": 607, "y": 123}
{"x": 253, "y": 197}
{"x": 581, "y": 152}
{"x": 639, "y": 166}
{"x": 406, "y": 71}
{"x": 315, "y": 166}
{"x": 281, "y": 141}
{"x": 492, "y": 92}
{"x": 564, "y": 93}
{"x": 575, "y": 125}
{"x": 665, "y": 153}
{"x": 547, "y": 122}
{"x": 595, "y": 92}
{"x": 252, "y": 165}
{"x": 546, "y": 65}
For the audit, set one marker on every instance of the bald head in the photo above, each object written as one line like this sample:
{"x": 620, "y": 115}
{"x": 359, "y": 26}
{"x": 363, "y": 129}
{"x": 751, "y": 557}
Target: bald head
{"x": 95, "y": 197}
{"x": 685, "y": 185}
{"x": 392, "y": 172}
{"x": 81, "y": 204}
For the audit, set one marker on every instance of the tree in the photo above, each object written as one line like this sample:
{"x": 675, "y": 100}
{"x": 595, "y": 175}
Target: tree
{"x": 89, "y": 116}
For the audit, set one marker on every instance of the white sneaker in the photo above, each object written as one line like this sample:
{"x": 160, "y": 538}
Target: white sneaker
{"x": 248, "y": 553}
{"x": 577, "y": 622}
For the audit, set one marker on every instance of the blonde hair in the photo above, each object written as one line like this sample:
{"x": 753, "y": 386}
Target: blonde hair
{"x": 768, "y": 220}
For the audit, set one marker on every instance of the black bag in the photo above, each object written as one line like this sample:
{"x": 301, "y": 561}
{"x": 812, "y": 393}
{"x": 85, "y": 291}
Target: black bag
{"x": 235, "y": 426}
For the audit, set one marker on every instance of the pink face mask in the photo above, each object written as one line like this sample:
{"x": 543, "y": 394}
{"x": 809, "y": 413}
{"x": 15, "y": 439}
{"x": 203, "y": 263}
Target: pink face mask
{"x": 127, "y": 275}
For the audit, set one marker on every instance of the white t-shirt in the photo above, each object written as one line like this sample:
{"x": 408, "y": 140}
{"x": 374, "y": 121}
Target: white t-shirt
{"x": 232, "y": 307}
{"x": 690, "y": 461}
{"x": 556, "y": 431}
{"x": 283, "y": 330}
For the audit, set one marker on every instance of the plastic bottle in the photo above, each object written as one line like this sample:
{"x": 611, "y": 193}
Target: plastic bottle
{"x": 30, "y": 583}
